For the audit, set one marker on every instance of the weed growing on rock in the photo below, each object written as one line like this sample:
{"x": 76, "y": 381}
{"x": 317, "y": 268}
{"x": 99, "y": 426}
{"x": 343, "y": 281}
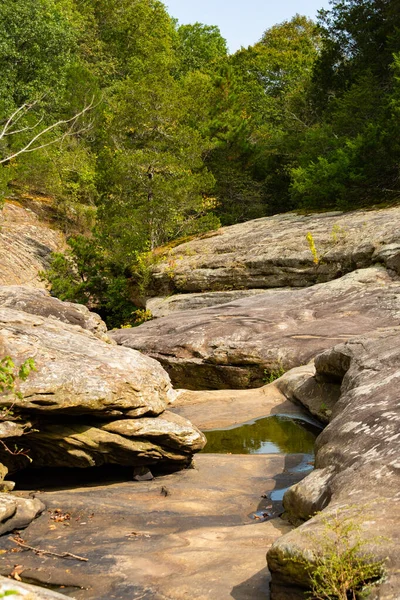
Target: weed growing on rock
{"x": 342, "y": 569}
{"x": 270, "y": 375}
{"x": 10, "y": 374}
{"x": 313, "y": 249}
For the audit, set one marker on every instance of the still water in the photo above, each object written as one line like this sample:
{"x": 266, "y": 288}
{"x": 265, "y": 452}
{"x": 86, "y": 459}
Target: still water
{"x": 276, "y": 434}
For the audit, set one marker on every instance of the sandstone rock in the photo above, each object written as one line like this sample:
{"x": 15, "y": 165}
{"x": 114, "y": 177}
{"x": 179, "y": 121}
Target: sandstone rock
{"x": 25, "y": 246}
{"x": 24, "y": 591}
{"x": 357, "y": 462}
{"x": 309, "y": 496}
{"x": 81, "y": 446}
{"x": 76, "y": 373}
{"x": 39, "y": 302}
{"x": 274, "y": 252}
{"x": 17, "y": 513}
{"x": 164, "y": 306}
{"x": 314, "y": 393}
{"x": 237, "y": 345}
{"x": 168, "y": 429}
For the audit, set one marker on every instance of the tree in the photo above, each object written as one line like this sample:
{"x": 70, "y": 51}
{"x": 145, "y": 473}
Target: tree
{"x": 199, "y": 47}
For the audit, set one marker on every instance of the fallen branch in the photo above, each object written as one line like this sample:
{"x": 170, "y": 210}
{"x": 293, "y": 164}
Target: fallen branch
{"x": 47, "y": 552}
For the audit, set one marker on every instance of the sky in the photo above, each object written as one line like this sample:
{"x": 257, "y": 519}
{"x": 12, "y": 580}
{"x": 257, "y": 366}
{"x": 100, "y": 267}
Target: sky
{"x": 241, "y": 22}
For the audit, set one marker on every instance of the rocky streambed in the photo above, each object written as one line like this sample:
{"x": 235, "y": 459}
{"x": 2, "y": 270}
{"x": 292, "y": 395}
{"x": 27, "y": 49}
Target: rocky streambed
{"x": 328, "y": 320}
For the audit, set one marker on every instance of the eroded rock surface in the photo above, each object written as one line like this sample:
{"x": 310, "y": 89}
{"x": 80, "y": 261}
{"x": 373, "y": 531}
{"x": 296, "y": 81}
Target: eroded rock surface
{"x": 76, "y": 373}
{"x": 26, "y": 243}
{"x": 39, "y": 302}
{"x": 82, "y": 405}
{"x": 273, "y": 252}
{"x": 357, "y": 476}
{"x": 237, "y": 345}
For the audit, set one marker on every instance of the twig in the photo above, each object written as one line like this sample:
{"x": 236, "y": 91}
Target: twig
{"x": 39, "y": 551}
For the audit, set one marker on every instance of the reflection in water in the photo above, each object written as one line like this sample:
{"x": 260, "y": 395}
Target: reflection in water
{"x": 269, "y": 435}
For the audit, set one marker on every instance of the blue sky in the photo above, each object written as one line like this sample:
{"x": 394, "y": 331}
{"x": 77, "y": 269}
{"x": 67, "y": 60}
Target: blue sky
{"x": 242, "y": 22}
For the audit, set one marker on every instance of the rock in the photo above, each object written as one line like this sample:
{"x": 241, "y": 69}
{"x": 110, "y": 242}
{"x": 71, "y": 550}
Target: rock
{"x": 168, "y": 429}
{"x": 357, "y": 464}
{"x": 142, "y": 474}
{"x": 318, "y": 396}
{"x": 39, "y": 302}
{"x": 164, "y": 306}
{"x": 26, "y": 243}
{"x": 273, "y": 252}
{"x": 23, "y": 591}
{"x": 17, "y": 513}
{"x": 308, "y": 497}
{"x": 81, "y": 446}
{"x": 76, "y": 373}
{"x": 239, "y": 344}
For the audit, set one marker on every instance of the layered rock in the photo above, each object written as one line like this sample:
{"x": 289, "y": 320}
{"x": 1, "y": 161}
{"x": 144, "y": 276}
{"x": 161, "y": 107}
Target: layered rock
{"x": 357, "y": 476}
{"x": 274, "y": 252}
{"x": 237, "y": 345}
{"x": 26, "y": 243}
{"x": 81, "y": 385}
{"x": 39, "y": 302}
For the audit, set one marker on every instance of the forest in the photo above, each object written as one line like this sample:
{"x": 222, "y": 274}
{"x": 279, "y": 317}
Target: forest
{"x": 143, "y": 131}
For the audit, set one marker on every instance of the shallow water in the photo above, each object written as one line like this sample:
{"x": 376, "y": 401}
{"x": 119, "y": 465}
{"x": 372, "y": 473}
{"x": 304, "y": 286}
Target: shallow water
{"x": 276, "y": 434}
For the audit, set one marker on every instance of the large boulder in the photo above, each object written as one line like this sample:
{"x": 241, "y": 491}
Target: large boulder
{"x": 88, "y": 402}
{"x": 39, "y": 302}
{"x": 26, "y": 243}
{"x": 274, "y": 252}
{"x": 242, "y": 343}
{"x": 76, "y": 373}
{"x": 356, "y": 483}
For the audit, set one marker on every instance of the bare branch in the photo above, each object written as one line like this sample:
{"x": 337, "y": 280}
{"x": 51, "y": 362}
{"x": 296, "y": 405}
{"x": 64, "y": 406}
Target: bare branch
{"x": 27, "y": 128}
{"x": 31, "y": 147}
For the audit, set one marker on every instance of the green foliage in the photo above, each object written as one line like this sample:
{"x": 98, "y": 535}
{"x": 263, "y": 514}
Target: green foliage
{"x": 182, "y": 136}
{"x": 88, "y": 275}
{"x": 10, "y": 374}
{"x": 270, "y": 375}
{"x": 342, "y": 568}
{"x": 199, "y": 47}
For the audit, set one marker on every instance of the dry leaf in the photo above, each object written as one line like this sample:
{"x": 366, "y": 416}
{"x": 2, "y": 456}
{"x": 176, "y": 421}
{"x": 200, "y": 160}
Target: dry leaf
{"x": 15, "y": 573}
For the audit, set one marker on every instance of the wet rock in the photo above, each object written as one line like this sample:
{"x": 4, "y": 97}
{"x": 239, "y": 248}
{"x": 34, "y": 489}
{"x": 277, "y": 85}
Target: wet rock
{"x": 76, "y": 373}
{"x": 273, "y": 252}
{"x": 26, "y": 243}
{"x": 242, "y": 343}
{"x": 357, "y": 465}
{"x": 39, "y": 302}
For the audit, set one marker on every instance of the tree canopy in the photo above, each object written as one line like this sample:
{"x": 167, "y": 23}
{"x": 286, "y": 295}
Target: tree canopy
{"x": 180, "y": 135}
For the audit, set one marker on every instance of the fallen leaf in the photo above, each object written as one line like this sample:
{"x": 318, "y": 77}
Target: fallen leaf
{"x": 15, "y": 573}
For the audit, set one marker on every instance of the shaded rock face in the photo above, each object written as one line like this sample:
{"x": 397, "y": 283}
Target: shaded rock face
{"x": 80, "y": 387}
{"x": 357, "y": 476}
{"x": 39, "y": 302}
{"x": 236, "y": 345}
{"x": 25, "y": 246}
{"x": 274, "y": 252}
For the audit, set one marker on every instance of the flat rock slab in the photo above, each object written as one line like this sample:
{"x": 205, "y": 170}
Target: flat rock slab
{"x": 215, "y": 409}
{"x": 240, "y": 344}
{"x": 274, "y": 252}
{"x": 186, "y": 535}
{"x": 26, "y": 243}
